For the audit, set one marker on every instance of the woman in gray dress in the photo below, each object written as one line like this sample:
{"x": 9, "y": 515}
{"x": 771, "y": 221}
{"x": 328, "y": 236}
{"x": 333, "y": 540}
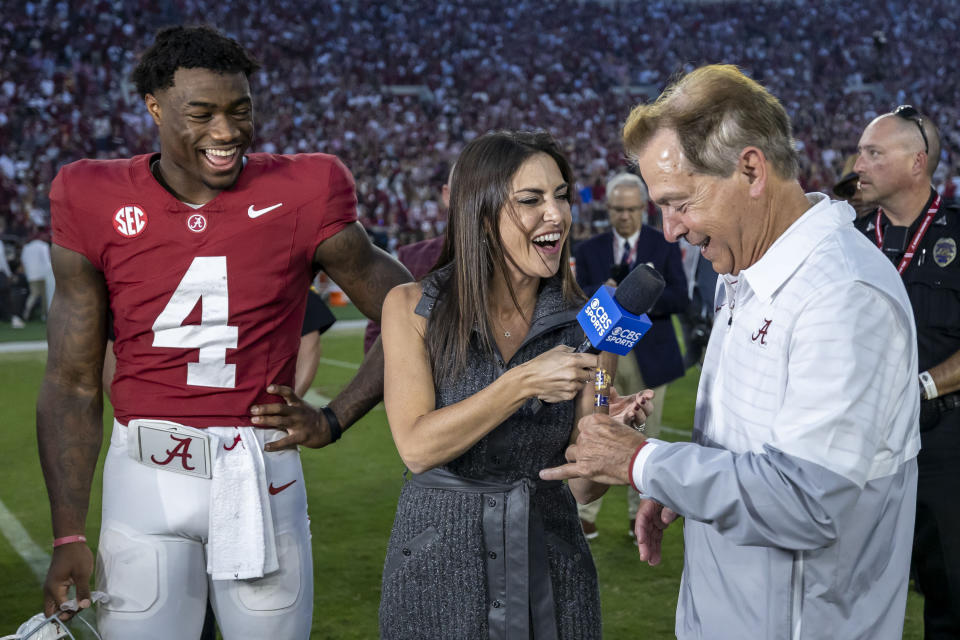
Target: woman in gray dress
{"x": 483, "y": 389}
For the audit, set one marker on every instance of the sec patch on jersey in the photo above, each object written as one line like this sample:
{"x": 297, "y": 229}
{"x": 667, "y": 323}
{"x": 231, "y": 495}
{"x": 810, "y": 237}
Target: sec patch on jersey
{"x": 130, "y": 220}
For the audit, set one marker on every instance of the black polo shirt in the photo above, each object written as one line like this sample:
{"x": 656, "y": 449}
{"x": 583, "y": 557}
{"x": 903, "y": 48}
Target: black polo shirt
{"x": 932, "y": 278}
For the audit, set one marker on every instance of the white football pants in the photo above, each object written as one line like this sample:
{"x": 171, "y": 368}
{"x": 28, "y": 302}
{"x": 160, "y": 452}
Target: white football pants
{"x": 152, "y": 554}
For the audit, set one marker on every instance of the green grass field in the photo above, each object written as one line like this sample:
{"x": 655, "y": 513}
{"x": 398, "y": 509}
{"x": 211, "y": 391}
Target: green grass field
{"x": 352, "y": 488}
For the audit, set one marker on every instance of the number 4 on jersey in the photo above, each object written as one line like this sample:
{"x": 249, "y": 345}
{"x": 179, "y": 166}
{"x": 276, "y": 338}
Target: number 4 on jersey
{"x": 205, "y": 282}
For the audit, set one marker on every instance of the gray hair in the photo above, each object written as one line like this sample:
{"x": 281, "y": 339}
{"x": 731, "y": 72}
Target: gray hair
{"x": 720, "y": 149}
{"x": 627, "y": 180}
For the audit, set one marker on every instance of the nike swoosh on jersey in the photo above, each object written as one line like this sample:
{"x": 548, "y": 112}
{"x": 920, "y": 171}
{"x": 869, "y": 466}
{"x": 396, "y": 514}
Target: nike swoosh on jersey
{"x": 256, "y": 213}
{"x": 275, "y": 490}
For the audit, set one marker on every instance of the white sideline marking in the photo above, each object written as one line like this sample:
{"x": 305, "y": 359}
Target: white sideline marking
{"x": 348, "y": 325}
{"x": 35, "y": 557}
{"x": 676, "y": 432}
{"x": 315, "y": 399}
{"x": 340, "y": 363}
{"x": 22, "y": 347}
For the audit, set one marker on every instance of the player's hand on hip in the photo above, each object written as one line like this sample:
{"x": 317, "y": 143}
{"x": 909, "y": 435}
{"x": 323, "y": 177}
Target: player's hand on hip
{"x": 601, "y": 453}
{"x": 72, "y": 564}
{"x": 559, "y": 374}
{"x": 304, "y": 424}
{"x": 652, "y": 519}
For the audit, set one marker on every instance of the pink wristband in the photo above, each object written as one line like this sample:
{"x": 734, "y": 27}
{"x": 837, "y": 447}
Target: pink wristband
{"x": 633, "y": 459}
{"x": 59, "y": 542}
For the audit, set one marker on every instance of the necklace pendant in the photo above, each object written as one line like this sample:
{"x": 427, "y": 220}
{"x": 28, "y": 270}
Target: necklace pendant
{"x": 506, "y": 334}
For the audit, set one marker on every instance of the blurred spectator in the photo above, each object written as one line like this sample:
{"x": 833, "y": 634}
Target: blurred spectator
{"x": 35, "y": 259}
{"x": 396, "y": 89}
{"x": 317, "y": 319}
{"x": 6, "y": 284}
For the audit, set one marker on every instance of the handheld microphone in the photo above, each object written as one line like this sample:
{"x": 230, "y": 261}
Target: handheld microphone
{"x": 615, "y": 319}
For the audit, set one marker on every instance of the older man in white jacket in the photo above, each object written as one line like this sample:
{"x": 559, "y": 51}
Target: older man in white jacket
{"x": 799, "y": 487}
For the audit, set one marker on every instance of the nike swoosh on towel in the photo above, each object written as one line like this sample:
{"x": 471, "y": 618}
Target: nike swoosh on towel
{"x": 275, "y": 490}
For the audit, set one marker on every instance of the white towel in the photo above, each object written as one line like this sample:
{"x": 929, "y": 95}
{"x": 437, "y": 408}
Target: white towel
{"x": 241, "y": 543}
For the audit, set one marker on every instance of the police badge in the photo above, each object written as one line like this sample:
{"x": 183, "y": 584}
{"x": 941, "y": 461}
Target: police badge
{"x": 944, "y": 251}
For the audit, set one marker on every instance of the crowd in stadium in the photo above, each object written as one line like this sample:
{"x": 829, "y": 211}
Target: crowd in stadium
{"x": 490, "y": 406}
{"x": 395, "y": 90}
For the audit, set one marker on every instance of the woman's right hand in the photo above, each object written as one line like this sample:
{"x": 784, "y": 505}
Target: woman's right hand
{"x": 559, "y": 374}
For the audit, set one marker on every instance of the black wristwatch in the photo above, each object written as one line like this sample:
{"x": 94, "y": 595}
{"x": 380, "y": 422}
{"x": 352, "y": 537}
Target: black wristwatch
{"x": 335, "y": 430}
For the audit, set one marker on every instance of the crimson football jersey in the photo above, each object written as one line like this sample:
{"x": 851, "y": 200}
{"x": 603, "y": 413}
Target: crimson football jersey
{"x": 207, "y": 303}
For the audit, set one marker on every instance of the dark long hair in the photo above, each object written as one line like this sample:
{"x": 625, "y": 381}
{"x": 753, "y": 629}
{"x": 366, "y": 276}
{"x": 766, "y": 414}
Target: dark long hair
{"x": 479, "y": 190}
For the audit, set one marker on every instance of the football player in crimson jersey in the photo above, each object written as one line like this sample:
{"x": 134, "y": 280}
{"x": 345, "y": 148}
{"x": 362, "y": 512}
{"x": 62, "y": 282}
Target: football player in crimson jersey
{"x": 202, "y": 253}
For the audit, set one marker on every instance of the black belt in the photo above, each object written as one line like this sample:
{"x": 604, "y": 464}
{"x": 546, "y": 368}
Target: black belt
{"x": 518, "y": 571}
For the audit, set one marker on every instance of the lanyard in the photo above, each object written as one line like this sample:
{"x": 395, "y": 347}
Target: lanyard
{"x": 917, "y": 237}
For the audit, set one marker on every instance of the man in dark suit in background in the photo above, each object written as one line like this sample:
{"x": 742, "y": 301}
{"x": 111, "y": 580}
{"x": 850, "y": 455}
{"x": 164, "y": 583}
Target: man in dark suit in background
{"x": 606, "y": 259}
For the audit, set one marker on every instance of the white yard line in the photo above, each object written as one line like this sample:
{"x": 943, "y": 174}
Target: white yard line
{"x": 315, "y": 399}
{"x": 676, "y": 432}
{"x": 348, "y": 325}
{"x": 343, "y": 364}
{"x": 36, "y": 558}
{"x": 23, "y": 347}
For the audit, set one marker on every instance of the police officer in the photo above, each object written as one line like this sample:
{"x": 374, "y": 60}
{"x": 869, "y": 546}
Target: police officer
{"x": 898, "y": 153}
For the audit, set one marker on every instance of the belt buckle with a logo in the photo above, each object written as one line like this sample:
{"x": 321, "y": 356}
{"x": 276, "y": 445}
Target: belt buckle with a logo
{"x": 170, "y": 446}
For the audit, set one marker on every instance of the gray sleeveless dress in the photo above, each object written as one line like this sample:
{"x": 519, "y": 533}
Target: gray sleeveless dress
{"x": 481, "y": 548}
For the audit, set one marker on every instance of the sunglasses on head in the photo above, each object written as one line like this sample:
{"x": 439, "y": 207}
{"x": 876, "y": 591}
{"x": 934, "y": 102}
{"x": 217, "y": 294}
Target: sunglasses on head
{"x": 908, "y": 112}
